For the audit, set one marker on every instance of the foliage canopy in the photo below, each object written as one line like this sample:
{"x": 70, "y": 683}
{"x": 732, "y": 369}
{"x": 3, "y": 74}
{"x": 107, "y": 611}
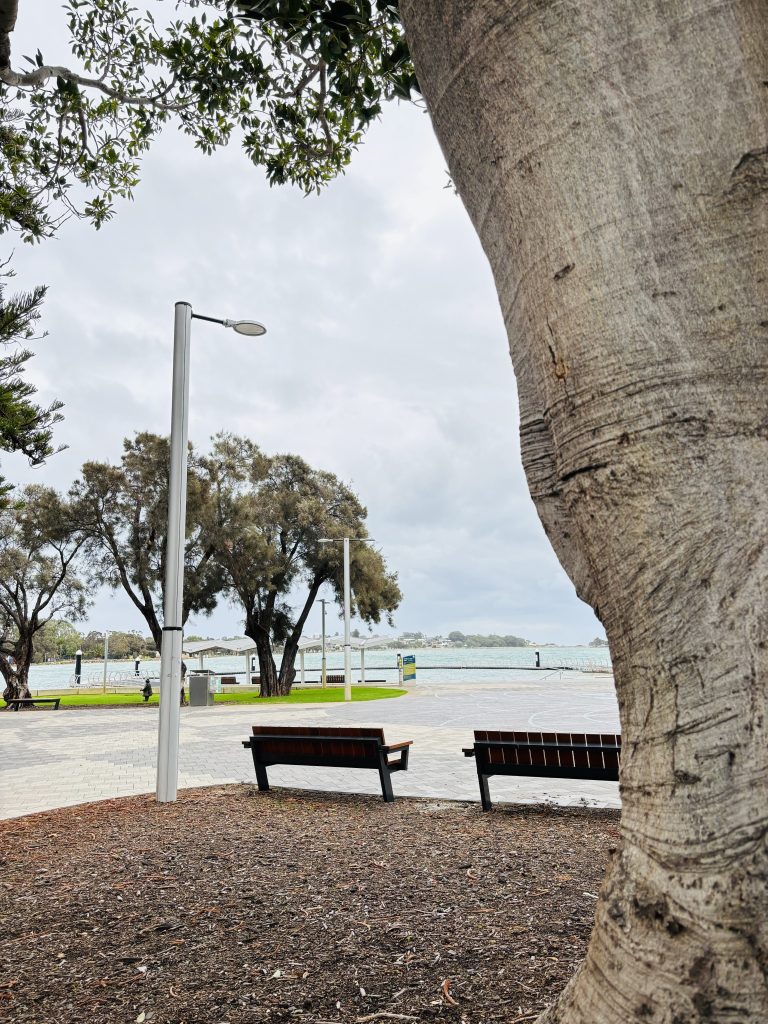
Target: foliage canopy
{"x": 24, "y": 426}
{"x": 297, "y": 83}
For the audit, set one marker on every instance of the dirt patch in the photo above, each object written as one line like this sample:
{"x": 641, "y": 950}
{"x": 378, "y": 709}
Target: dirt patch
{"x": 232, "y": 906}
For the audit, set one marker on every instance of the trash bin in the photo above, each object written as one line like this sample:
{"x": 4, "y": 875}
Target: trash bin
{"x": 199, "y": 690}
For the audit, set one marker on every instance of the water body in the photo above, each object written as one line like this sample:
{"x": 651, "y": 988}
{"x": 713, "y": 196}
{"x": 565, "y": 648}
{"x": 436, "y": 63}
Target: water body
{"x": 435, "y": 664}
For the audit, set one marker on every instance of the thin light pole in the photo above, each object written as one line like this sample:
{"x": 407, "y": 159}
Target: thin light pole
{"x": 347, "y": 616}
{"x": 170, "y": 650}
{"x": 347, "y": 608}
{"x": 106, "y": 659}
{"x": 322, "y": 659}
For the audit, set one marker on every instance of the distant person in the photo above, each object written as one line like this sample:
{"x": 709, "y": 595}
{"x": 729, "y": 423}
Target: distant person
{"x": 146, "y": 690}
{"x": 183, "y": 677}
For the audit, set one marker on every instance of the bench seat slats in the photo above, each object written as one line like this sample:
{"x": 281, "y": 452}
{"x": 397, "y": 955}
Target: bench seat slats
{"x": 326, "y": 746}
{"x": 544, "y": 755}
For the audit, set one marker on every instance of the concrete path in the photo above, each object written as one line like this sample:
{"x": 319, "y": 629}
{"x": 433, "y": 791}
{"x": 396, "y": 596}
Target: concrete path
{"x": 53, "y": 759}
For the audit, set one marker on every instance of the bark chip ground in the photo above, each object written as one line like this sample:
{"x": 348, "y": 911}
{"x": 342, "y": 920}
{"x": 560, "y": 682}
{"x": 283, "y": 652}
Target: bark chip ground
{"x": 232, "y": 906}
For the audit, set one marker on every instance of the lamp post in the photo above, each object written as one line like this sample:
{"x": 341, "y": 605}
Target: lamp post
{"x": 170, "y": 651}
{"x": 347, "y": 607}
{"x": 106, "y": 660}
{"x": 322, "y": 657}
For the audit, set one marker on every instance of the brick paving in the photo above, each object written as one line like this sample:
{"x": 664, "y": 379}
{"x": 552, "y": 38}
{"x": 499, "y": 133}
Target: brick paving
{"x": 53, "y": 759}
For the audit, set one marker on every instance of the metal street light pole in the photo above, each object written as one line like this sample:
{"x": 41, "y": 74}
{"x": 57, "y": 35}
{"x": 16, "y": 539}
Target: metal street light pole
{"x": 347, "y": 609}
{"x": 322, "y": 659}
{"x": 170, "y": 652}
{"x": 347, "y": 614}
{"x": 106, "y": 660}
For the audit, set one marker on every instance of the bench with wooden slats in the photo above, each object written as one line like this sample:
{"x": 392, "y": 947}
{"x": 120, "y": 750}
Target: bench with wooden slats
{"x": 326, "y": 747}
{"x": 553, "y": 755}
{"x": 30, "y": 702}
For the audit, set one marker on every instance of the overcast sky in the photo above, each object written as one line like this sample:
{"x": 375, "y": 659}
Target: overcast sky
{"x": 386, "y": 360}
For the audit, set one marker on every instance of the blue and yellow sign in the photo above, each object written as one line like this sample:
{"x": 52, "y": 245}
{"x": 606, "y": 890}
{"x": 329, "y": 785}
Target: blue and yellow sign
{"x": 409, "y": 668}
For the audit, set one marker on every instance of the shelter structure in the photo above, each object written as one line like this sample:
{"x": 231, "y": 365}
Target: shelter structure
{"x": 245, "y": 646}
{"x": 236, "y": 645}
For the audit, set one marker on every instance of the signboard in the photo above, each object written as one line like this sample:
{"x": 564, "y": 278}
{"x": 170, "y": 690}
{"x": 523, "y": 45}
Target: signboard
{"x": 409, "y": 668}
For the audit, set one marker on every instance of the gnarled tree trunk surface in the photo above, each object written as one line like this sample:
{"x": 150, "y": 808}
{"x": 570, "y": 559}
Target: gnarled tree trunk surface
{"x": 613, "y": 158}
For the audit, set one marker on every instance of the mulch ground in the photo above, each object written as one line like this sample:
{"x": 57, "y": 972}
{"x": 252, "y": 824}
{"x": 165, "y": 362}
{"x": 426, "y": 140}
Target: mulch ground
{"x": 291, "y": 907}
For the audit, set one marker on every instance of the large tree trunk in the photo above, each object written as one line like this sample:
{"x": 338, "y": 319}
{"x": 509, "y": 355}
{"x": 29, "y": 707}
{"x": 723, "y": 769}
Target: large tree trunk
{"x": 288, "y": 660}
{"x": 613, "y": 159}
{"x": 16, "y": 675}
{"x": 270, "y": 684}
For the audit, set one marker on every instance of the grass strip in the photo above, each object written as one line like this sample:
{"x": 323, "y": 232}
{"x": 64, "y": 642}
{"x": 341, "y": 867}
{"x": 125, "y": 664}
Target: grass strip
{"x": 313, "y": 695}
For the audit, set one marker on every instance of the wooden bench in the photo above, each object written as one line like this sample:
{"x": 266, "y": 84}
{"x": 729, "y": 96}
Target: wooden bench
{"x": 15, "y": 705}
{"x": 549, "y": 755}
{"x": 326, "y": 747}
{"x": 229, "y": 680}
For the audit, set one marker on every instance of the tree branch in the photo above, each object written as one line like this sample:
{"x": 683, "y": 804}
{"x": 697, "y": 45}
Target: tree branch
{"x": 41, "y": 75}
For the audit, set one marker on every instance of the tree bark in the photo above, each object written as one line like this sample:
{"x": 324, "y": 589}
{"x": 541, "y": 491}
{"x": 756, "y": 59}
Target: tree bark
{"x": 270, "y": 684}
{"x": 288, "y": 660}
{"x": 8, "y": 11}
{"x": 16, "y": 677}
{"x": 614, "y": 161}
{"x": 269, "y": 680}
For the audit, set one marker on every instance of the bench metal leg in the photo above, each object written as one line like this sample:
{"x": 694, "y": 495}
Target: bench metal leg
{"x": 386, "y": 781}
{"x": 261, "y": 777}
{"x": 261, "y": 771}
{"x": 485, "y": 793}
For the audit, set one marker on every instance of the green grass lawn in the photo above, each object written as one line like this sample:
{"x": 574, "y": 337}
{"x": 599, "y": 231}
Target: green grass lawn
{"x": 314, "y": 695}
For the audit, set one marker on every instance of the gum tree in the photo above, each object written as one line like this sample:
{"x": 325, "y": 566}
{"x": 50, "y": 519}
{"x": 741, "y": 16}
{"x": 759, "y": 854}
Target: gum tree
{"x": 614, "y": 161}
{"x": 270, "y": 515}
{"x": 297, "y": 85}
{"x": 40, "y": 577}
{"x": 124, "y": 512}
{"x": 25, "y": 426}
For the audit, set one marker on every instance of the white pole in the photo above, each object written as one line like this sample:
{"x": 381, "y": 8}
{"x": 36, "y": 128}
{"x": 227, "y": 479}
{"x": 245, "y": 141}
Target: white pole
{"x": 170, "y": 654}
{"x": 301, "y": 660}
{"x": 347, "y": 613}
{"x": 362, "y": 666}
{"x": 106, "y": 659}
{"x": 322, "y": 660}
{"x": 248, "y": 669}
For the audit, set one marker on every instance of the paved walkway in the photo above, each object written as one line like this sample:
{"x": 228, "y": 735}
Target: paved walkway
{"x": 53, "y": 759}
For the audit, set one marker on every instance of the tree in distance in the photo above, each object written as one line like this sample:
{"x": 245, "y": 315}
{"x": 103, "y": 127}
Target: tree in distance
{"x": 57, "y": 639}
{"x": 270, "y": 516}
{"x": 60, "y": 640}
{"x": 40, "y": 541}
{"x": 125, "y": 510}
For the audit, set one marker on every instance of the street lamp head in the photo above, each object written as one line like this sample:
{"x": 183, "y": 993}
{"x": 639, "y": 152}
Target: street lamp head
{"x": 336, "y": 540}
{"x": 251, "y": 328}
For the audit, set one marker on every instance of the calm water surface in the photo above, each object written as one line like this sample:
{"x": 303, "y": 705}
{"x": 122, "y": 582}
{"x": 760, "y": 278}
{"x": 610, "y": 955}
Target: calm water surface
{"x": 433, "y": 665}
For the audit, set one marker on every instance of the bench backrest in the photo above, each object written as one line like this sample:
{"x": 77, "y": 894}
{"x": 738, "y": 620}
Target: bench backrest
{"x": 557, "y": 758}
{"x": 304, "y": 740}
